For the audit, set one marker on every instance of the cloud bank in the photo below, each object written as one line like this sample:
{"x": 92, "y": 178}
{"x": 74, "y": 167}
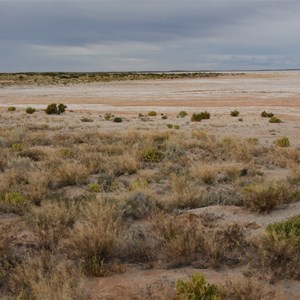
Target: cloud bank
{"x": 140, "y": 35}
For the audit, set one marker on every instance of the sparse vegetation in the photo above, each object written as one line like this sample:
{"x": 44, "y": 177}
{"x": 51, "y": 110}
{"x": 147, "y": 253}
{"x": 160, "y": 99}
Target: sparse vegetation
{"x": 265, "y": 114}
{"x": 55, "y": 109}
{"x": 30, "y": 110}
{"x": 182, "y": 114}
{"x": 235, "y": 113}
{"x": 152, "y": 113}
{"x": 197, "y": 117}
{"x": 283, "y": 142}
{"x": 11, "y": 108}
{"x": 197, "y": 288}
{"x": 118, "y": 120}
{"x": 274, "y": 120}
{"x": 79, "y": 201}
{"x": 86, "y": 120}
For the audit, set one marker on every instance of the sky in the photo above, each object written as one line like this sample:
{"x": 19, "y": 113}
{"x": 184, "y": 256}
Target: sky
{"x": 148, "y": 35}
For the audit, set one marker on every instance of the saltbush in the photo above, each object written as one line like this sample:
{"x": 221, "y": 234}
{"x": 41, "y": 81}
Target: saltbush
{"x": 234, "y": 113}
{"x": 283, "y": 142}
{"x": 118, "y": 120}
{"x": 54, "y": 109}
{"x": 30, "y": 110}
{"x": 182, "y": 114}
{"x": 11, "y": 108}
{"x": 196, "y": 289}
{"x": 152, "y": 113}
{"x": 151, "y": 155}
{"x": 288, "y": 230}
{"x": 274, "y": 120}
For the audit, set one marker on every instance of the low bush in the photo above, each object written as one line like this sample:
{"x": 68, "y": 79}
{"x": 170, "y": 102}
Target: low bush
{"x": 264, "y": 114}
{"x": 151, "y": 155}
{"x": 288, "y": 230}
{"x": 170, "y": 126}
{"x": 234, "y": 113}
{"x": 152, "y": 113}
{"x": 274, "y": 120}
{"x": 176, "y": 127}
{"x": 118, "y": 120}
{"x": 108, "y": 116}
{"x": 87, "y": 120}
{"x": 55, "y": 109}
{"x": 136, "y": 206}
{"x": 182, "y": 114}
{"x": 94, "y": 187}
{"x": 283, "y": 142}
{"x": 263, "y": 197}
{"x": 197, "y": 117}
{"x": 196, "y": 288}
{"x": 30, "y": 110}
{"x": 11, "y": 108}
{"x": 17, "y": 147}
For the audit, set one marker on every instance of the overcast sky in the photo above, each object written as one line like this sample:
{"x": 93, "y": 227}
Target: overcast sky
{"x": 136, "y": 35}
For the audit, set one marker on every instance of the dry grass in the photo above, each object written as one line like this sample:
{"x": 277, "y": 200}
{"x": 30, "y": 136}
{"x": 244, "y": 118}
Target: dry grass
{"x": 144, "y": 181}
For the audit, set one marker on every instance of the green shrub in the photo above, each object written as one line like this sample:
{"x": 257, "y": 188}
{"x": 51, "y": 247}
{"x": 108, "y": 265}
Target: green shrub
{"x": 118, "y": 120}
{"x": 274, "y": 120}
{"x": 138, "y": 184}
{"x": 87, "y": 120}
{"x": 108, "y": 116}
{"x": 197, "y": 117}
{"x": 94, "y": 187}
{"x": 152, "y": 113}
{"x": 170, "y": 126}
{"x": 182, "y": 114}
{"x": 176, "y": 126}
{"x": 205, "y": 115}
{"x": 17, "y": 147}
{"x": 283, "y": 142}
{"x": 164, "y": 117}
{"x": 61, "y": 107}
{"x": 288, "y": 230}
{"x": 30, "y": 110}
{"x": 11, "y": 108}
{"x": 234, "y": 113}
{"x": 151, "y": 155}
{"x": 54, "y": 109}
{"x": 196, "y": 289}
{"x": 264, "y": 114}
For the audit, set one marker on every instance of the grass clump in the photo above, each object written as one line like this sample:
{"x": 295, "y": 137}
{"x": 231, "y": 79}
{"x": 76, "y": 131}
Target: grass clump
{"x": 94, "y": 187}
{"x": 17, "y": 147}
{"x": 152, "y": 113}
{"x": 274, "y": 120}
{"x": 263, "y": 197}
{"x": 283, "y": 142}
{"x": 30, "y": 110}
{"x": 108, "y": 116}
{"x": 182, "y": 114}
{"x": 151, "y": 155}
{"x": 288, "y": 230}
{"x": 55, "y": 109}
{"x": 265, "y": 114}
{"x": 197, "y": 117}
{"x": 234, "y": 113}
{"x": 118, "y": 120}
{"x": 87, "y": 120}
{"x": 11, "y": 108}
{"x": 196, "y": 288}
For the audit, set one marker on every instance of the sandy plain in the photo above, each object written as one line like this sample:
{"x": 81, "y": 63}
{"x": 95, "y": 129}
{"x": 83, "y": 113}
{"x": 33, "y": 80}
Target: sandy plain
{"x": 250, "y": 93}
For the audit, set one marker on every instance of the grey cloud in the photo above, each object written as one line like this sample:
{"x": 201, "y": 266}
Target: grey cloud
{"x": 147, "y": 34}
